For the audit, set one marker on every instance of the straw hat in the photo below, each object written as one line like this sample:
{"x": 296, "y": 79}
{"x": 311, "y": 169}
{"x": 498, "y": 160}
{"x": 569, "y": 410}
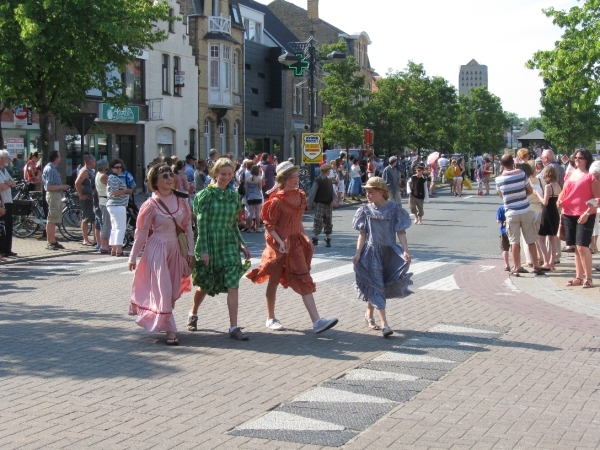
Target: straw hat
{"x": 376, "y": 183}
{"x": 285, "y": 167}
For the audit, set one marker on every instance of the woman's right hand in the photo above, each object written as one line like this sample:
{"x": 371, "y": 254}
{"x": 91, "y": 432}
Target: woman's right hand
{"x": 356, "y": 258}
{"x": 282, "y": 248}
{"x": 205, "y": 259}
{"x": 132, "y": 266}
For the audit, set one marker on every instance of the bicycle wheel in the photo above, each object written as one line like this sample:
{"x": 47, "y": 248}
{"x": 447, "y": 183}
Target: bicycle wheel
{"x": 70, "y": 226}
{"x": 25, "y": 226}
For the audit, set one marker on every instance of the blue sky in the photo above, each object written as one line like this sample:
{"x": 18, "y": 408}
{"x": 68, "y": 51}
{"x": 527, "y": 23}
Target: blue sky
{"x": 443, "y": 34}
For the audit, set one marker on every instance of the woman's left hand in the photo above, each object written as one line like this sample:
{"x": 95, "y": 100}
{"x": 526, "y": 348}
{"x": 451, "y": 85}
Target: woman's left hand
{"x": 583, "y": 219}
{"x": 191, "y": 260}
{"x": 247, "y": 254}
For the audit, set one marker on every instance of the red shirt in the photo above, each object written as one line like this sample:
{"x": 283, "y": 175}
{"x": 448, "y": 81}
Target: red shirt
{"x": 576, "y": 194}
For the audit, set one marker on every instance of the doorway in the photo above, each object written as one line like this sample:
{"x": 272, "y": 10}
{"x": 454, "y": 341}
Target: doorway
{"x": 126, "y": 145}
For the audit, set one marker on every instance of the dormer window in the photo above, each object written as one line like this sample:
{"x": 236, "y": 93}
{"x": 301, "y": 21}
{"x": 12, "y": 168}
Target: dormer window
{"x": 253, "y": 30}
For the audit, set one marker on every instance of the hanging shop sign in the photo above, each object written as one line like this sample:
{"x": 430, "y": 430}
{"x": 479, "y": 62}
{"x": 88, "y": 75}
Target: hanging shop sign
{"x": 312, "y": 147}
{"x": 15, "y": 145}
{"x": 23, "y": 115}
{"x": 109, "y": 113}
{"x": 179, "y": 79}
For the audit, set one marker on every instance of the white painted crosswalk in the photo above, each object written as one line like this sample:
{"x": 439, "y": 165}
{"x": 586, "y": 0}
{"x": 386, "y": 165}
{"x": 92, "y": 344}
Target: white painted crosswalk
{"x": 437, "y": 274}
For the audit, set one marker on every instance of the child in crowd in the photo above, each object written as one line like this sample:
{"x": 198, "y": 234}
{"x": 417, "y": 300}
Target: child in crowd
{"x": 380, "y": 264}
{"x": 504, "y": 244}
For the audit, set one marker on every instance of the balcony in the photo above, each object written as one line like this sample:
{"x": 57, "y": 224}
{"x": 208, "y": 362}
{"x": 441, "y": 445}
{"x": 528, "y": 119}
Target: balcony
{"x": 219, "y": 24}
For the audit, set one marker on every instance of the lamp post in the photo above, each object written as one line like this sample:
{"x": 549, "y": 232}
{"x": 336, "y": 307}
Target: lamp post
{"x": 512, "y": 128}
{"x": 305, "y": 57}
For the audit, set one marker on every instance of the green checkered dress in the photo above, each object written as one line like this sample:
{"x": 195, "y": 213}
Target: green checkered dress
{"x": 217, "y": 212}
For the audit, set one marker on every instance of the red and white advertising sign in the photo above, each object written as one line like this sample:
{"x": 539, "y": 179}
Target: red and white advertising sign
{"x": 15, "y": 145}
{"x": 21, "y": 115}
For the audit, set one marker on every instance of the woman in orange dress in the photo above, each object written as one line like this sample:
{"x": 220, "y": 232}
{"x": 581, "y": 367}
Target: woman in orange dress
{"x": 287, "y": 257}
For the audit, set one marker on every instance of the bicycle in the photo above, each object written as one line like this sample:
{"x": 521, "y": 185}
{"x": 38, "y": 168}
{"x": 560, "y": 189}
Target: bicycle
{"x": 70, "y": 227}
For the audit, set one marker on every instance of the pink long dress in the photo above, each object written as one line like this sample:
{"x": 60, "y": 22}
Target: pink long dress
{"x": 162, "y": 274}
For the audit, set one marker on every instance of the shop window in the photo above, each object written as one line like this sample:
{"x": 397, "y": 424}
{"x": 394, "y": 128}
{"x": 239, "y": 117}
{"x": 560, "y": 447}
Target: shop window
{"x": 165, "y": 142}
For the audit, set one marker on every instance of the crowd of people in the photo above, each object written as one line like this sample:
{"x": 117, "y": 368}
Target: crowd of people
{"x": 545, "y": 202}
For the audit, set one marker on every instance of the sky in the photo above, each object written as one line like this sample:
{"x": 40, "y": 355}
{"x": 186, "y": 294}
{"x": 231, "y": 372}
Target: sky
{"x": 445, "y": 34}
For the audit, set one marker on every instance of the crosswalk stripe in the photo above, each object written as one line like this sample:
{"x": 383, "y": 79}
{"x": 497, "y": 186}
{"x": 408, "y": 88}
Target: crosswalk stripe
{"x": 280, "y": 420}
{"x": 445, "y": 284}
{"x": 324, "y": 394}
{"x": 376, "y": 375}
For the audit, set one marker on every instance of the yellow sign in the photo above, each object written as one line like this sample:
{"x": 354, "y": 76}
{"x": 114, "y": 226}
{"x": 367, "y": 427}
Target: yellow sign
{"x": 312, "y": 147}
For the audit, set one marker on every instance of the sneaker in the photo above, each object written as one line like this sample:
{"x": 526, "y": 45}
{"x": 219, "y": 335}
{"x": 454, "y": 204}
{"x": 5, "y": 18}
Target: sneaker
{"x": 522, "y": 270}
{"x": 387, "y": 331}
{"x": 237, "y": 334}
{"x": 328, "y": 242}
{"x": 51, "y": 246}
{"x": 58, "y": 246}
{"x": 315, "y": 241}
{"x": 325, "y": 324}
{"x": 192, "y": 324}
{"x": 273, "y": 324}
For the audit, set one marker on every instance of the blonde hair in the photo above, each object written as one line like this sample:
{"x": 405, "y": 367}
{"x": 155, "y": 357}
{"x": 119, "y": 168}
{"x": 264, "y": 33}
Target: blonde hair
{"x": 379, "y": 184}
{"x": 523, "y": 153}
{"x": 282, "y": 177}
{"x": 219, "y": 164}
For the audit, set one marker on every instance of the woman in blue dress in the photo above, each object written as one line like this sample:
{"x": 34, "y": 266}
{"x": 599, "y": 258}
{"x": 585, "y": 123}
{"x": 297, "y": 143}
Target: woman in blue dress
{"x": 380, "y": 264}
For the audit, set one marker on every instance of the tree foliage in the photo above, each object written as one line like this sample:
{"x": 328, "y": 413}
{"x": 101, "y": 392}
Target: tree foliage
{"x": 481, "y": 123}
{"x": 571, "y": 73}
{"x": 54, "y": 51}
{"x": 345, "y": 94}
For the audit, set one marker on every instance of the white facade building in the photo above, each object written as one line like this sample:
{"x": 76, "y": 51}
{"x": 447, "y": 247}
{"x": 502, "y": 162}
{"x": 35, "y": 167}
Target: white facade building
{"x": 172, "y": 93}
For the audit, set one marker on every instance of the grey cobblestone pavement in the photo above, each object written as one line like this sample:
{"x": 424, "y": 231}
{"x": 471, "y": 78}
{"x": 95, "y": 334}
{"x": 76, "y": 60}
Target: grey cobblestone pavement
{"x": 76, "y": 372}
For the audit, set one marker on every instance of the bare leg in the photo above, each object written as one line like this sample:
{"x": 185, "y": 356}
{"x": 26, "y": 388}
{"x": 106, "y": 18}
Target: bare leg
{"x": 370, "y": 309}
{"x": 50, "y": 233}
{"x": 232, "y": 306}
{"x": 544, "y": 251}
{"x": 516, "y": 254}
{"x": 585, "y": 260}
{"x": 97, "y": 236}
{"x": 272, "y": 292}
{"x": 199, "y": 296}
{"x": 382, "y": 318}
{"x": 552, "y": 251}
{"x": 311, "y": 307}
{"x": 505, "y": 257}
{"x": 84, "y": 230}
{"x": 534, "y": 258}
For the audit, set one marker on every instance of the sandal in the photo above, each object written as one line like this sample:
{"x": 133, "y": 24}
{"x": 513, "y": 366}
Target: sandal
{"x": 574, "y": 282}
{"x": 507, "y": 269}
{"x": 172, "y": 341}
{"x": 371, "y": 323}
{"x": 587, "y": 284}
{"x": 387, "y": 331}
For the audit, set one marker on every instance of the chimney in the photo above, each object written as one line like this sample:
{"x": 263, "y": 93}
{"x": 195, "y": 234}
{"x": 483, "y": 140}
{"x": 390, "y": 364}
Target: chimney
{"x": 313, "y": 9}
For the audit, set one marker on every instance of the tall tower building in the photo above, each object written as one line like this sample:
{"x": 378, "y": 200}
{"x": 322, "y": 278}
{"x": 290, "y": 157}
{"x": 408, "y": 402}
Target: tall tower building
{"x": 472, "y": 75}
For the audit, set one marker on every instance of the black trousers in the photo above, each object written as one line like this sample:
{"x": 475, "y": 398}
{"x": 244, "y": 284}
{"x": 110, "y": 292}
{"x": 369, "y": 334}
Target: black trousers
{"x": 6, "y": 241}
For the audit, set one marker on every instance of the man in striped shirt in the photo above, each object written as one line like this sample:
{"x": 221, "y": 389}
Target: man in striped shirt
{"x": 53, "y": 186}
{"x": 514, "y": 187}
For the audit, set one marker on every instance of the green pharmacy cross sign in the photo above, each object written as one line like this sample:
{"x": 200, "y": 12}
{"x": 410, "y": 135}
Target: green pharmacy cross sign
{"x": 299, "y": 67}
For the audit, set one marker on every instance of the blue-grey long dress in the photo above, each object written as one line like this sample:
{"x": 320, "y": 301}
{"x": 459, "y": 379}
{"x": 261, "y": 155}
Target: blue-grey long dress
{"x": 382, "y": 271}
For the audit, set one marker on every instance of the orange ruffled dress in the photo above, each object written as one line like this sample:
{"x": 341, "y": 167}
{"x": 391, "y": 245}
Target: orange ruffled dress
{"x": 282, "y": 213}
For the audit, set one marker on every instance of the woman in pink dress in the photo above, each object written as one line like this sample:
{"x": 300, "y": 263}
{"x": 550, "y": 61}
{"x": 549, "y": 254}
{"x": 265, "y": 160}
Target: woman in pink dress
{"x": 163, "y": 273}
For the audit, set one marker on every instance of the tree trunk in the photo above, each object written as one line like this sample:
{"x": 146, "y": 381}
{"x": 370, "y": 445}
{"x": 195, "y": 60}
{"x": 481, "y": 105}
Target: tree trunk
{"x": 44, "y": 135}
{"x": 1, "y": 135}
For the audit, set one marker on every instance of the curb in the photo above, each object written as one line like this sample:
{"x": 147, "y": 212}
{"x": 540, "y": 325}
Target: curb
{"x": 54, "y": 254}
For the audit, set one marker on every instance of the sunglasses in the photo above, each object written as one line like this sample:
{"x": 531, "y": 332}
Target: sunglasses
{"x": 167, "y": 175}
{"x": 117, "y": 167}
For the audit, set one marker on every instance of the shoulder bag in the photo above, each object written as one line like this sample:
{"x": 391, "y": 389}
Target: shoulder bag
{"x": 181, "y": 237}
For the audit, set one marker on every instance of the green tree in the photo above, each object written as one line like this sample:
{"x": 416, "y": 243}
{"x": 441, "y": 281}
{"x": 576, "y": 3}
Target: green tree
{"x": 54, "y": 51}
{"x": 481, "y": 123}
{"x": 431, "y": 108}
{"x": 571, "y": 77}
{"x": 534, "y": 123}
{"x": 386, "y": 110}
{"x": 345, "y": 94}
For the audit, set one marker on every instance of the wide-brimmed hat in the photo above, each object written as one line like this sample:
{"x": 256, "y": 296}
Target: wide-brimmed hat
{"x": 376, "y": 183}
{"x": 285, "y": 167}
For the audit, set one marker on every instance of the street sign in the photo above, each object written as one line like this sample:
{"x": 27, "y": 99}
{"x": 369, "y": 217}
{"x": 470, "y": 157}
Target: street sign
{"x": 15, "y": 145}
{"x": 312, "y": 147}
{"x": 21, "y": 114}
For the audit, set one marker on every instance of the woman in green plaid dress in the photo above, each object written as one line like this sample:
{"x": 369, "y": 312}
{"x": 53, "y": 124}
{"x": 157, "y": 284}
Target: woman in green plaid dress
{"x": 219, "y": 267}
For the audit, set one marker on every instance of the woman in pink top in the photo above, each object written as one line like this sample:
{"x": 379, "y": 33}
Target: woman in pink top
{"x": 578, "y": 216}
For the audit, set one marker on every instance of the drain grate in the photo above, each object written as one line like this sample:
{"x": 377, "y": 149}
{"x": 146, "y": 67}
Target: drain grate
{"x": 590, "y": 349}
